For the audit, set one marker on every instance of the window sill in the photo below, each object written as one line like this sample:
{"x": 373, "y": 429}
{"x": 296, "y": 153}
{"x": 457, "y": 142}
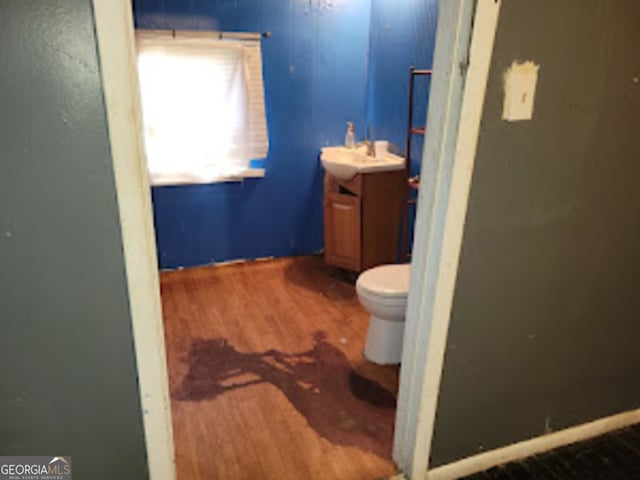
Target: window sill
{"x": 165, "y": 180}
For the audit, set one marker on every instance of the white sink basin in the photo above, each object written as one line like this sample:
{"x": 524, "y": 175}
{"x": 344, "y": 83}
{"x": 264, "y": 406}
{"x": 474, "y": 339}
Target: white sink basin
{"x": 345, "y": 163}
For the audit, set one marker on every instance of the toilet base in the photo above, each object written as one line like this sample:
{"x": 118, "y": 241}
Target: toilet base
{"x": 384, "y": 341}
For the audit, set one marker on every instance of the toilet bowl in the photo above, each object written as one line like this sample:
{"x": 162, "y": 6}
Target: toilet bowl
{"x": 383, "y": 293}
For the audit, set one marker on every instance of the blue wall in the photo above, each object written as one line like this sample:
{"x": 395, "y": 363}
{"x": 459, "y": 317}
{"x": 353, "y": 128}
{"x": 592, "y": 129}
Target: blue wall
{"x": 400, "y": 38}
{"x": 318, "y": 74}
{"x": 314, "y": 71}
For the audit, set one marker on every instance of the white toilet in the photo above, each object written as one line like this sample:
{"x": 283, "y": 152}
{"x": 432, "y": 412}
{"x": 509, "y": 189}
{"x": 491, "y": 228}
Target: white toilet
{"x": 383, "y": 293}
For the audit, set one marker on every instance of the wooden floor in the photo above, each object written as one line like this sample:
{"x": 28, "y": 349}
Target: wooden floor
{"x": 267, "y": 375}
{"x": 614, "y": 456}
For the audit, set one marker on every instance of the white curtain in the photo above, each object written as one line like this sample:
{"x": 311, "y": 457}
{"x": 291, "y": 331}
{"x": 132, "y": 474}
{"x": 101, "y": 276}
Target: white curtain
{"x": 202, "y": 104}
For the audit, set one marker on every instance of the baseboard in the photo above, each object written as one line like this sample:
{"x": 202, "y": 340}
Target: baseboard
{"x": 521, "y": 450}
{"x": 397, "y": 476}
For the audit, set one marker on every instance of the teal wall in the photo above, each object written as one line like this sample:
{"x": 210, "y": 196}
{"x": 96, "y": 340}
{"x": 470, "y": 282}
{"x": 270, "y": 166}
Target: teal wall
{"x": 544, "y": 330}
{"x": 68, "y": 381}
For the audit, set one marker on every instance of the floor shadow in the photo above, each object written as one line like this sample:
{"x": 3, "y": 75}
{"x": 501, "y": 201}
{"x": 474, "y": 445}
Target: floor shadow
{"x": 313, "y": 274}
{"x": 341, "y": 405}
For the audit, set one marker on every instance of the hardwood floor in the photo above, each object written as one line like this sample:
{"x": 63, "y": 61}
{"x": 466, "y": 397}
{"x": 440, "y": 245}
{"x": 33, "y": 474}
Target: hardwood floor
{"x": 267, "y": 375}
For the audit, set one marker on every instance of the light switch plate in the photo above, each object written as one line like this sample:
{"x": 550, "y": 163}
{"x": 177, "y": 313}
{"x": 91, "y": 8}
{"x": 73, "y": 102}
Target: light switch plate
{"x": 520, "y": 82}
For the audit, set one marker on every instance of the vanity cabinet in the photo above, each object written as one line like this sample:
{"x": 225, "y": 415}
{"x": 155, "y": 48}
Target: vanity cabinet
{"x": 362, "y": 219}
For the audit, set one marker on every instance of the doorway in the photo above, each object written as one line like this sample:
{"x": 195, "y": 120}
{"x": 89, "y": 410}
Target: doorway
{"x": 114, "y": 27}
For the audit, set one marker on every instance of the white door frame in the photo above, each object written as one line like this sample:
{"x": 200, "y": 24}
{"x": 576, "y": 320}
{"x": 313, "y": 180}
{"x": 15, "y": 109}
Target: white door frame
{"x": 116, "y": 50}
{"x": 463, "y": 52}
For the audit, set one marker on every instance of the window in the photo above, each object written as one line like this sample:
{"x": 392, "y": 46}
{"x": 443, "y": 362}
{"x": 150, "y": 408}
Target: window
{"x": 202, "y": 105}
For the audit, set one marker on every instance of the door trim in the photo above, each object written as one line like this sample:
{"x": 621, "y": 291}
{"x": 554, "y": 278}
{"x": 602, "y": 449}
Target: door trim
{"x": 463, "y": 52}
{"x": 116, "y": 51}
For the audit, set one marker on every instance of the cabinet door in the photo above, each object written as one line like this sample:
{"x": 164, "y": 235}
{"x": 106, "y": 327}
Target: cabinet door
{"x": 342, "y": 230}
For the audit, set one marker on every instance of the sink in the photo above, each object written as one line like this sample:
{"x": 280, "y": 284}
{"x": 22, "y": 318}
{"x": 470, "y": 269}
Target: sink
{"x": 345, "y": 163}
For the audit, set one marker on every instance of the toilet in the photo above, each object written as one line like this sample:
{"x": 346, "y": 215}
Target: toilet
{"x": 383, "y": 293}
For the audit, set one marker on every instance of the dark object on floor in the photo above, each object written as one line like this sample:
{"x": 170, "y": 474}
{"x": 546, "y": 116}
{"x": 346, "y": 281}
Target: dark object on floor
{"x": 614, "y": 456}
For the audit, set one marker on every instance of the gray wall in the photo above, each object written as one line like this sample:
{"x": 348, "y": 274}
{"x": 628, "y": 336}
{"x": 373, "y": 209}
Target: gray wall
{"x": 545, "y": 328}
{"x": 67, "y": 366}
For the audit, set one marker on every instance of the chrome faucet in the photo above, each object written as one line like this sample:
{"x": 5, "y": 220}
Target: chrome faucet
{"x": 368, "y": 144}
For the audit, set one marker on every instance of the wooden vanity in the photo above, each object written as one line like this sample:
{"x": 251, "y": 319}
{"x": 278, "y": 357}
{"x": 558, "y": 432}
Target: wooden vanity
{"x": 362, "y": 219}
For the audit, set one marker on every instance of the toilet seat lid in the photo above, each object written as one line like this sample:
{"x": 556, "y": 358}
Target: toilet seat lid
{"x": 386, "y": 280}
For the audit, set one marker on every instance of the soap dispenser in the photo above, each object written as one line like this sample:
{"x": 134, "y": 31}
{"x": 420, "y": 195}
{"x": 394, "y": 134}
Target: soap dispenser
{"x": 350, "y": 137}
